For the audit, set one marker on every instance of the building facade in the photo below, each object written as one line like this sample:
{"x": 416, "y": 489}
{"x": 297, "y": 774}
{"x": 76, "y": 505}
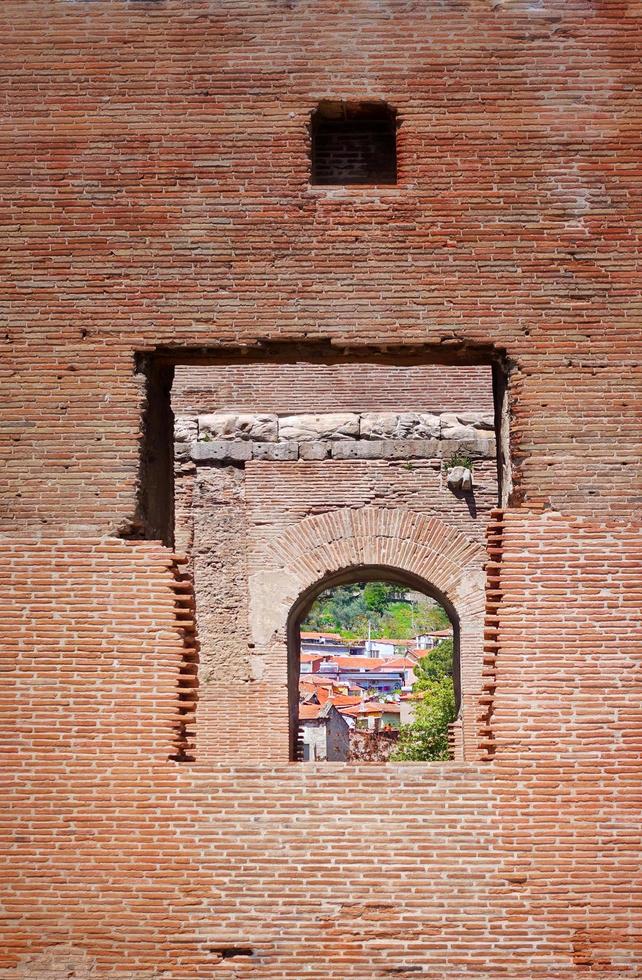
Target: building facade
{"x": 160, "y": 226}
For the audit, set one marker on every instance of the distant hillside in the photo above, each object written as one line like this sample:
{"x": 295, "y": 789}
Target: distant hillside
{"x": 388, "y": 608}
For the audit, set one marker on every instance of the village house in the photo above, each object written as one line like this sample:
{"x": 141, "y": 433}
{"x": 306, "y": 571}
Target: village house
{"x": 310, "y": 663}
{"x": 319, "y": 639}
{"x": 404, "y": 666}
{"x": 325, "y": 734}
{"x": 376, "y": 715}
{"x": 365, "y": 672}
{"x": 329, "y": 644}
{"x": 385, "y": 647}
{"x": 428, "y": 641}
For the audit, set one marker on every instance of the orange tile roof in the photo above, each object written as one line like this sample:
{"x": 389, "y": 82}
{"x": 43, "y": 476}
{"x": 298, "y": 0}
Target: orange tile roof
{"x": 331, "y": 692}
{"x": 356, "y": 663}
{"x": 304, "y": 687}
{"x": 344, "y": 700}
{"x": 308, "y": 712}
{"x": 403, "y": 662}
{"x": 373, "y": 708}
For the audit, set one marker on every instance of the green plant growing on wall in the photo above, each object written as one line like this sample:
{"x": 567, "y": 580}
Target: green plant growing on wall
{"x": 458, "y": 459}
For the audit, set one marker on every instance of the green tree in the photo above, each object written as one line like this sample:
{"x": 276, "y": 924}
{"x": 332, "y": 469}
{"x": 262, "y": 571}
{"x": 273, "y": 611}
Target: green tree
{"x": 437, "y": 664}
{"x": 396, "y": 622}
{"x": 426, "y": 739}
{"x": 337, "y": 610}
{"x": 379, "y": 607}
{"x": 430, "y": 617}
{"x": 378, "y": 595}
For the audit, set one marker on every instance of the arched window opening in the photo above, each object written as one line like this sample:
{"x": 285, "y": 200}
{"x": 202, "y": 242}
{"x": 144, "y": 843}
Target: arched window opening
{"x": 373, "y": 669}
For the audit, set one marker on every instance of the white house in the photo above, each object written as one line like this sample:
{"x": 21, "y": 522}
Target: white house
{"x": 427, "y": 641}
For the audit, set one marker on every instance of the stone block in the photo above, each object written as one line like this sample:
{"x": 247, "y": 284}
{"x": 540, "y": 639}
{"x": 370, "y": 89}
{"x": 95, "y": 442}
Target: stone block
{"x": 452, "y": 428}
{"x": 411, "y": 449}
{"x": 378, "y": 425}
{"x": 358, "y": 449}
{"x": 460, "y": 478}
{"x": 481, "y": 445}
{"x": 221, "y": 451}
{"x": 315, "y": 450}
{"x": 478, "y": 420}
{"x": 392, "y": 425}
{"x": 428, "y": 426}
{"x": 465, "y": 425}
{"x": 181, "y": 451}
{"x": 283, "y": 451}
{"x": 312, "y": 428}
{"x": 185, "y": 429}
{"x": 257, "y": 428}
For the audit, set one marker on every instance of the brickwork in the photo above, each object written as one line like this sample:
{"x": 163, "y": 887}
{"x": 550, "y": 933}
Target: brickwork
{"x": 284, "y": 557}
{"x": 321, "y": 387}
{"x": 155, "y": 197}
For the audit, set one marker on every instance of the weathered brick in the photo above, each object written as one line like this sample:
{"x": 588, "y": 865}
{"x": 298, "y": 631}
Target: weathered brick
{"x": 156, "y": 199}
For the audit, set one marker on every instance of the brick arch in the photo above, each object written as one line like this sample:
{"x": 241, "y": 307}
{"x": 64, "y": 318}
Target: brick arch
{"x": 311, "y": 554}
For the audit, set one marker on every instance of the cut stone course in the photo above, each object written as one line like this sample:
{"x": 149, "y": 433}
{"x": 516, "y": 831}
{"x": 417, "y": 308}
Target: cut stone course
{"x": 311, "y": 428}
{"x": 389, "y": 425}
{"x": 314, "y": 450}
{"x": 473, "y": 427}
{"x": 220, "y": 450}
{"x": 386, "y": 449}
{"x": 342, "y": 436}
{"x": 283, "y": 451}
{"x": 259, "y": 428}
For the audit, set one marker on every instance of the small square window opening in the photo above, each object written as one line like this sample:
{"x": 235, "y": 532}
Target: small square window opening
{"x": 354, "y": 143}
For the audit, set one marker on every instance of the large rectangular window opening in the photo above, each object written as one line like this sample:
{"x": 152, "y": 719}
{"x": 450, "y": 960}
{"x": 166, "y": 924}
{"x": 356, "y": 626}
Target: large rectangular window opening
{"x": 318, "y": 499}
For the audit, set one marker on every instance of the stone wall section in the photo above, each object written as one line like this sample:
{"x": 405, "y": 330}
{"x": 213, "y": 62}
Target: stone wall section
{"x": 238, "y": 515}
{"x": 243, "y": 480}
{"x": 237, "y": 438}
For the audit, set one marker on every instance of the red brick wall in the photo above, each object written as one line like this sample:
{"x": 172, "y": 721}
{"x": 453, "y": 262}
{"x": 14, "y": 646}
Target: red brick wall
{"x": 154, "y": 193}
{"x": 312, "y": 387}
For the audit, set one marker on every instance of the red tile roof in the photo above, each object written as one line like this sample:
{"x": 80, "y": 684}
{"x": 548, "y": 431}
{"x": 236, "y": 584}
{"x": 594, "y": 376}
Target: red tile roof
{"x": 356, "y": 663}
{"x": 308, "y": 712}
{"x": 373, "y": 708}
{"x": 344, "y": 700}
